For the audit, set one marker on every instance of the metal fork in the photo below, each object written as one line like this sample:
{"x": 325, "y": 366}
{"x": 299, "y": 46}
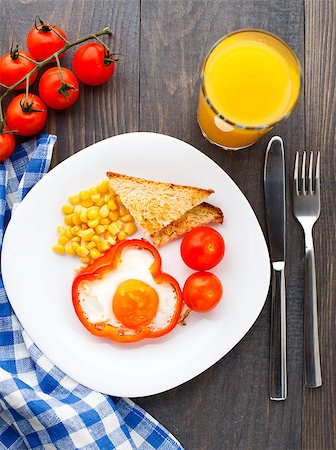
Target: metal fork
{"x": 306, "y": 209}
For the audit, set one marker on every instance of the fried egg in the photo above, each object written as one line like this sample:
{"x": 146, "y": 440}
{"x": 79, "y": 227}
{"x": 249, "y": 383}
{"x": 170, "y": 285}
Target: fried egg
{"x": 128, "y": 297}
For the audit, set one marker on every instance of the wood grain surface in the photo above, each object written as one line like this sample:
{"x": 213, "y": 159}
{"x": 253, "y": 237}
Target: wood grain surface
{"x": 155, "y": 89}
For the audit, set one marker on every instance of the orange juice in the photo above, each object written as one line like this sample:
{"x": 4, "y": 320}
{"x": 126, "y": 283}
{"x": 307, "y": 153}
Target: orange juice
{"x": 250, "y": 82}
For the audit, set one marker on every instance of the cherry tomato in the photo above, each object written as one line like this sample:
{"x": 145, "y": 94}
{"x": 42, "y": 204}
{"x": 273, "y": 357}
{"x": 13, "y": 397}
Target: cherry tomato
{"x": 202, "y": 248}
{"x": 27, "y": 117}
{"x": 55, "y": 93}
{"x": 93, "y": 64}
{"x": 202, "y": 291}
{"x": 7, "y": 144}
{"x": 42, "y": 41}
{"x": 13, "y": 67}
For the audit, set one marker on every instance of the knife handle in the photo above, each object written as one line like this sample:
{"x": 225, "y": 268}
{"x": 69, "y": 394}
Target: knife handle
{"x": 278, "y": 363}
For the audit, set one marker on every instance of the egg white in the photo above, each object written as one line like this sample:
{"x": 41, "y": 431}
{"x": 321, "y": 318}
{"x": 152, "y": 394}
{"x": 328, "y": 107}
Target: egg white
{"x": 96, "y": 297}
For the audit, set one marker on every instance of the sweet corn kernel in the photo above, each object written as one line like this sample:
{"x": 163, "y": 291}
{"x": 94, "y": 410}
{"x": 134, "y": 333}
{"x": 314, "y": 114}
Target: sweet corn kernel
{"x": 104, "y": 246}
{"x": 122, "y": 235}
{"x": 93, "y": 223}
{"x": 67, "y": 209}
{"x": 130, "y": 228}
{"x": 104, "y": 221}
{"x": 103, "y": 187}
{"x": 95, "y": 253}
{"x": 60, "y": 230}
{"x": 87, "y": 203}
{"x": 85, "y": 260}
{"x": 112, "y": 240}
{"x": 93, "y": 212}
{"x": 104, "y": 211}
{"x": 93, "y": 190}
{"x": 113, "y": 229}
{"x": 96, "y": 239}
{"x": 58, "y": 248}
{"x": 112, "y": 205}
{"x": 113, "y": 216}
{"x": 118, "y": 199}
{"x": 76, "y": 239}
{"x": 127, "y": 218}
{"x": 77, "y": 210}
{"x": 84, "y": 226}
{"x": 91, "y": 245}
{"x": 87, "y": 234}
{"x": 99, "y": 229}
{"x": 68, "y": 220}
{"x": 123, "y": 211}
{"x": 83, "y": 215}
{"x": 96, "y": 198}
{"x": 74, "y": 199}
{"x": 75, "y": 245}
{"x": 68, "y": 233}
{"x": 84, "y": 195}
{"x": 82, "y": 251}
{"x": 76, "y": 220}
{"x": 69, "y": 248}
{"x": 62, "y": 240}
{"x": 74, "y": 230}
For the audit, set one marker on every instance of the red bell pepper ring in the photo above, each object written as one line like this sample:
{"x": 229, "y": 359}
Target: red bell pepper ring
{"x": 110, "y": 261}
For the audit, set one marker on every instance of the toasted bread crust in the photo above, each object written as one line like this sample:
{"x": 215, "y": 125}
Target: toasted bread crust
{"x": 200, "y": 215}
{"x": 154, "y": 204}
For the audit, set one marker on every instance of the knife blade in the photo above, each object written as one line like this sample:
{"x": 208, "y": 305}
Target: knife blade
{"x": 275, "y": 203}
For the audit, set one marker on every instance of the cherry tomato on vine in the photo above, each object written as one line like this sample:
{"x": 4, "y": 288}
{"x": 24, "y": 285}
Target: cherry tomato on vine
{"x": 202, "y": 291}
{"x": 93, "y": 64}
{"x": 57, "y": 92}
{"x": 26, "y": 116}
{"x": 43, "y": 40}
{"x": 14, "y": 66}
{"x": 202, "y": 248}
{"x": 7, "y": 144}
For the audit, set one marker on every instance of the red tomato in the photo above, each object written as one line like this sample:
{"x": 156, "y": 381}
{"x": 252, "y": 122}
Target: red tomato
{"x": 202, "y": 248}
{"x": 13, "y": 67}
{"x": 26, "y": 117}
{"x": 93, "y": 64}
{"x": 55, "y": 93}
{"x": 202, "y": 291}
{"x": 42, "y": 41}
{"x": 7, "y": 144}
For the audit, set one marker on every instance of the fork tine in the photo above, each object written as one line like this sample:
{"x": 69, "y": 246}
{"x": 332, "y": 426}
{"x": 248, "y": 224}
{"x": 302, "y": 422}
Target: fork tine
{"x": 296, "y": 174}
{"x": 310, "y": 174}
{"x": 303, "y": 173}
{"x": 317, "y": 174}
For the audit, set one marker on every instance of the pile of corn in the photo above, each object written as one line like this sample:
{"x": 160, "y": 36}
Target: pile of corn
{"x": 94, "y": 220}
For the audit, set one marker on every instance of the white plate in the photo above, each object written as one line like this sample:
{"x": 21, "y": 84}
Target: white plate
{"x": 38, "y": 281}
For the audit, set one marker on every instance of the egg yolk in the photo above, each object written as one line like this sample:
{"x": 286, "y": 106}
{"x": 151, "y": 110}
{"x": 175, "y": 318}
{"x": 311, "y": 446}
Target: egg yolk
{"x": 135, "y": 303}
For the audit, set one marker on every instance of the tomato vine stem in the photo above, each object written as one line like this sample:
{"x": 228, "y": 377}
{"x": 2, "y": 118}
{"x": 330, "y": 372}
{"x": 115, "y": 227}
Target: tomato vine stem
{"x": 40, "y": 64}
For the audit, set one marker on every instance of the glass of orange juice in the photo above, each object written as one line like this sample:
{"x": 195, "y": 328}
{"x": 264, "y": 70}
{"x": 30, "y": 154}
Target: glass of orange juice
{"x": 250, "y": 81}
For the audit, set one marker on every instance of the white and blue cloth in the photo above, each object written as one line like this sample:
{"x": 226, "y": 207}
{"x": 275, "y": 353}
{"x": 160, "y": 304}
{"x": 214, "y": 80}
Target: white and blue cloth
{"x": 41, "y": 407}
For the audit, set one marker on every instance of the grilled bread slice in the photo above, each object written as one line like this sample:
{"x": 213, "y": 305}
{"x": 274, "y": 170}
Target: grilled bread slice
{"x": 154, "y": 204}
{"x": 200, "y": 215}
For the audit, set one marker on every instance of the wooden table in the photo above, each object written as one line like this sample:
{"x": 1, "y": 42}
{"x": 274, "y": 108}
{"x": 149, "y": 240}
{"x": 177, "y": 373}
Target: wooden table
{"x": 156, "y": 89}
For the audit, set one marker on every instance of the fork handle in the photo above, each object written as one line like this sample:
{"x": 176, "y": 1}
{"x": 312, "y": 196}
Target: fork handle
{"x": 278, "y": 364}
{"x": 312, "y": 363}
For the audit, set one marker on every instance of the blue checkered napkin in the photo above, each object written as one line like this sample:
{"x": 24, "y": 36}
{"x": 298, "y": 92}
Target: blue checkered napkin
{"x": 40, "y": 407}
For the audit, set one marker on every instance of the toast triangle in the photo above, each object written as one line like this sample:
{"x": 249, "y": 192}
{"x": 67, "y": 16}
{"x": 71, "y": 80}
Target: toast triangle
{"x": 155, "y": 204}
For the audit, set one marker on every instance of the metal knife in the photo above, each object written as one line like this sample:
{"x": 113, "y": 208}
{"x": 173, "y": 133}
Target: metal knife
{"x": 275, "y": 199}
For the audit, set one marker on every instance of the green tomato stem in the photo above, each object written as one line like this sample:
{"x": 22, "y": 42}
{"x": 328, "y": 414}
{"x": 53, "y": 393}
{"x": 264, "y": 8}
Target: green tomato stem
{"x": 59, "y": 69}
